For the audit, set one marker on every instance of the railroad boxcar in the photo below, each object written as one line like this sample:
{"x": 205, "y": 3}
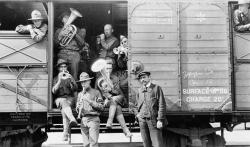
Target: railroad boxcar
{"x": 189, "y": 46}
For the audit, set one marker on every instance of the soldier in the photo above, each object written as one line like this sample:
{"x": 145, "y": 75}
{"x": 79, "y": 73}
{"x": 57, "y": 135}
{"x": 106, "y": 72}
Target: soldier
{"x": 151, "y": 111}
{"x": 108, "y": 42}
{"x": 70, "y": 51}
{"x": 64, "y": 88}
{"x": 241, "y": 20}
{"x": 89, "y": 105}
{"x": 114, "y": 99}
{"x": 37, "y": 30}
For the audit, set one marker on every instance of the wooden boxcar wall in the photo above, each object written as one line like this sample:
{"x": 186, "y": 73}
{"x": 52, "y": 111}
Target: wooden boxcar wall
{"x": 23, "y": 73}
{"x": 185, "y": 46}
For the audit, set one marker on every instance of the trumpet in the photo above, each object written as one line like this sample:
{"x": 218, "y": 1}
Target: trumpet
{"x": 65, "y": 74}
{"x": 69, "y": 29}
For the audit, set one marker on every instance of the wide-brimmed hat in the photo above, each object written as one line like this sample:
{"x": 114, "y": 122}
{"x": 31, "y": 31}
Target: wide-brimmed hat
{"x": 84, "y": 77}
{"x": 61, "y": 61}
{"x": 36, "y": 15}
{"x": 240, "y": 2}
{"x": 137, "y": 67}
{"x": 143, "y": 73}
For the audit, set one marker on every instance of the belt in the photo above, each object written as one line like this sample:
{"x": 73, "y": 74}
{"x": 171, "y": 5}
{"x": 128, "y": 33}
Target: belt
{"x": 70, "y": 50}
{"x": 90, "y": 115}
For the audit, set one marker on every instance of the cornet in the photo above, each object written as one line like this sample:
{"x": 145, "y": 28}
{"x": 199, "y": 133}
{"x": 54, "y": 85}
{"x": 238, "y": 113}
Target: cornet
{"x": 69, "y": 29}
{"x": 65, "y": 75}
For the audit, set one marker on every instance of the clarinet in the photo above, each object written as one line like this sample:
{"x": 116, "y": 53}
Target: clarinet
{"x": 81, "y": 106}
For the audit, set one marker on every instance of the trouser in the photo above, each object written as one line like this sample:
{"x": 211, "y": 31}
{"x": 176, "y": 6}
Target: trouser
{"x": 67, "y": 116}
{"x": 115, "y": 110}
{"x": 90, "y": 126}
{"x": 73, "y": 58}
{"x": 151, "y": 136}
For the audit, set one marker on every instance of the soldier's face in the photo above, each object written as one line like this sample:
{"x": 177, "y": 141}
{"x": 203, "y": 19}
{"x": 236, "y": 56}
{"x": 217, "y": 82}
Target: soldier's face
{"x": 108, "y": 30}
{"x": 85, "y": 84}
{"x": 144, "y": 79}
{"x": 65, "y": 19}
{"x": 37, "y": 23}
{"x": 63, "y": 67}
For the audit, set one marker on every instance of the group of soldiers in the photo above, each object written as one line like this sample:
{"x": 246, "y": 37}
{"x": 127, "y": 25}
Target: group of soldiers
{"x": 110, "y": 91}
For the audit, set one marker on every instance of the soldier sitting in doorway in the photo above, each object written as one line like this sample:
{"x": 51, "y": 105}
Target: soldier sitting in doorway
{"x": 241, "y": 17}
{"x": 65, "y": 90}
{"x": 37, "y": 30}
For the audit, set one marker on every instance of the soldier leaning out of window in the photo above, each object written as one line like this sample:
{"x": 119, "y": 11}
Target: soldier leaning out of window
{"x": 37, "y": 30}
{"x": 241, "y": 20}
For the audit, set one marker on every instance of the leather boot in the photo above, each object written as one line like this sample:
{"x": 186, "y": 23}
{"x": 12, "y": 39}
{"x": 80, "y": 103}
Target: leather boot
{"x": 121, "y": 120}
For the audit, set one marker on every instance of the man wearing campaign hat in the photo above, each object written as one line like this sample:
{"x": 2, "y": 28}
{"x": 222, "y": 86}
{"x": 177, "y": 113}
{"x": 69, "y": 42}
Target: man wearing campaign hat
{"x": 89, "y": 106}
{"x": 37, "y": 30}
{"x": 241, "y": 20}
{"x": 64, "y": 89}
{"x": 151, "y": 119}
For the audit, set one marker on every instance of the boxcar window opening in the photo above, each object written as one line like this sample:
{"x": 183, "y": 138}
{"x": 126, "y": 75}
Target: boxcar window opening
{"x": 94, "y": 17}
{"x": 15, "y": 13}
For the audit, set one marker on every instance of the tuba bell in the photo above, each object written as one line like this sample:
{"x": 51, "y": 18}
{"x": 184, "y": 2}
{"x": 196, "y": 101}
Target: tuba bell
{"x": 99, "y": 66}
{"x": 69, "y": 29}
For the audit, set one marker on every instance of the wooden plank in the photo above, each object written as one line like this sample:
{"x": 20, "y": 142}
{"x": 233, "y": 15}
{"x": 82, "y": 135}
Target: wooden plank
{"x": 206, "y": 6}
{"x": 205, "y": 21}
{"x": 241, "y": 46}
{"x": 208, "y": 67}
{"x": 242, "y": 75}
{"x": 29, "y": 52}
{"x": 155, "y": 58}
{"x": 205, "y": 58}
{"x": 155, "y": 21}
{"x": 35, "y": 83}
{"x": 147, "y": 28}
{"x": 245, "y": 68}
{"x": 170, "y": 67}
{"x": 203, "y": 13}
{"x": 23, "y": 93}
{"x": 203, "y": 50}
{"x": 242, "y": 82}
{"x": 26, "y": 108}
{"x": 34, "y": 91}
{"x": 160, "y": 50}
{"x": 211, "y": 74}
{"x": 162, "y": 83}
{"x": 212, "y": 43}
{"x": 154, "y": 44}
{"x": 206, "y": 82}
{"x": 243, "y": 90}
{"x": 154, "y": 36}
{"x": 155, "y": 13}
{"x": 201, "y": 36}
{"x": 204, "y": 28}
{"x": 155, "y": 5}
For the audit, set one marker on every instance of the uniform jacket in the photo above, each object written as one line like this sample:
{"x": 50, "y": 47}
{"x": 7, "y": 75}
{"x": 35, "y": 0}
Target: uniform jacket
{"x": 75, "y": 44}
{"x": 157, "y": 104}
{"x": 37, "y": 34}
{"x": 93, "y": 108}
{"x": 240, "y": 21}
{"x": 108, "y": 45}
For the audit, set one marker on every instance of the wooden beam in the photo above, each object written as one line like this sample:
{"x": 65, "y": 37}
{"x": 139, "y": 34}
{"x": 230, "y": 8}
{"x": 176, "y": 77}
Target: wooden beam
{"x": 23, "y": 93}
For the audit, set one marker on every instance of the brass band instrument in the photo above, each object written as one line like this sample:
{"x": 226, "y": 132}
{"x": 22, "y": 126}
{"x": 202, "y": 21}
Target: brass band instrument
{"x": 99, "y": 66}
{"x": 68, "y": 28}
{"x": 65, "y": 75}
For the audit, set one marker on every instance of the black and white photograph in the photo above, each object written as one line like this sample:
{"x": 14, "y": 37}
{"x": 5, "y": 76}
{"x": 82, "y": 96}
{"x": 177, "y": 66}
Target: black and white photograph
{"x": 124, "y": 73}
